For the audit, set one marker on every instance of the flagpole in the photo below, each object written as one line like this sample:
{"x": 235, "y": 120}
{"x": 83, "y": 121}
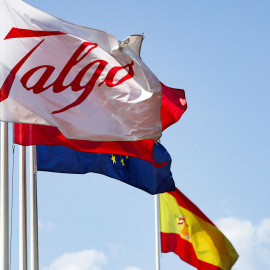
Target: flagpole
{"x": 4, "y": 205}
{"x": 22, "y": 211}
{"x": 33, "y": 211}
{"x": 157, "y": 230}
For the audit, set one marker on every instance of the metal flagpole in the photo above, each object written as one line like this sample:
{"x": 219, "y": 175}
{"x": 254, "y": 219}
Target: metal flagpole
{"x": 157, "y": 230}
{"x": 33, "y": 211}
{"x": 4, "y": 208}
{"x": 22, "y": 211}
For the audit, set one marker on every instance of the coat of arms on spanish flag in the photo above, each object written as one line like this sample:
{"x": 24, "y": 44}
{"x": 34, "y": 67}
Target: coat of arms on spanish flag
{"x": 186, "y": 231}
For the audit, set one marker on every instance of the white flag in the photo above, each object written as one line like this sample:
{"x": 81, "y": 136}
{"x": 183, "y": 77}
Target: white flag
{"x": 81, "y": 80}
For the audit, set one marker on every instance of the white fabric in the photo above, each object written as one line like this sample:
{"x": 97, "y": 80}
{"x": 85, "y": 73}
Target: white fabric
{"x": 126, "y": 108}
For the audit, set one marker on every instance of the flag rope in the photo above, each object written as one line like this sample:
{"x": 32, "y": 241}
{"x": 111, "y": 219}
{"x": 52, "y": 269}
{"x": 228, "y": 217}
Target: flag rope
{"x": 11, "y": 207}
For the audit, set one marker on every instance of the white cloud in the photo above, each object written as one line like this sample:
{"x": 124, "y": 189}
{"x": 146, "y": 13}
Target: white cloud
{"x": 114, "y": 249}
{"x": 83, "y": 260}
{"x": 264, "y": 232}
{"x": 252, "y": 242}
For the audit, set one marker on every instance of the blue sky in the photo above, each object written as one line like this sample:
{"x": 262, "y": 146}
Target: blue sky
{"x": 218, "y": 51}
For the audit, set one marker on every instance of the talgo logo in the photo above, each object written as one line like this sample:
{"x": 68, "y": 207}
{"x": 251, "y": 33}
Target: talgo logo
{"x": 58, "y": 86}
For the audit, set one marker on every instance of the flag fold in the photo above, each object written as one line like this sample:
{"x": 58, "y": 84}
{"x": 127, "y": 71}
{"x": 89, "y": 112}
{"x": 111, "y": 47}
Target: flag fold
{"x": 172, "y": 108}
{"x": 133, "y": 171}
{"x": 186, "y": 231}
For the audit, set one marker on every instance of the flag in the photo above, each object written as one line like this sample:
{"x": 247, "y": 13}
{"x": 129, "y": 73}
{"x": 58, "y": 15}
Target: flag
{"x": 81, "y": 80}
{"x": 133, "y": 171}
{"x": 172, "y": 108}
{"x": 186, "y": 231}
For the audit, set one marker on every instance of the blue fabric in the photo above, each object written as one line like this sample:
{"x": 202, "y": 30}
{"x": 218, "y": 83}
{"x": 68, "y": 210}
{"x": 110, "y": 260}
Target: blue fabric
{"x": 133, "y": 171}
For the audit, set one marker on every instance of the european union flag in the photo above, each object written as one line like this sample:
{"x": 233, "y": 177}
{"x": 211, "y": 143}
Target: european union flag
{"x": 130, "y": 170}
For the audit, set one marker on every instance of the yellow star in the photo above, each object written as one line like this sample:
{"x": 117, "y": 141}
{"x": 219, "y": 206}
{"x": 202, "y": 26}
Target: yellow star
{"x": 126, "y": 157}
{"x": 113, "y": 159}
{"x": 122, "y": 161}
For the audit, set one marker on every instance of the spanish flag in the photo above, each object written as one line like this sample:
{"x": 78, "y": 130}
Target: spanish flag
{"x": 186, "y": 231}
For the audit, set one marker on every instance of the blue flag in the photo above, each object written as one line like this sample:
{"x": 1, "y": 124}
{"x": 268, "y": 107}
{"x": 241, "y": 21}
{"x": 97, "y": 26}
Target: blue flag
{"x": 130, "y": 170}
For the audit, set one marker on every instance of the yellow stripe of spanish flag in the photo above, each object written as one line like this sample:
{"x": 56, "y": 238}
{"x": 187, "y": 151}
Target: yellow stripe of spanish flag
{"x": 184, "y": 226}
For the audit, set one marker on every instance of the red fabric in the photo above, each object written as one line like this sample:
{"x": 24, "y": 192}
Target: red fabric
{"x": 23, "y": 33}
{"x": 172, "y": 242}
{"x": 172, "y": 107}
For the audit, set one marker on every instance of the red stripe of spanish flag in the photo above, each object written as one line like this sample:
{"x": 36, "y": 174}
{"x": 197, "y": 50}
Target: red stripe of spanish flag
{"x": 186, "y": 231}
